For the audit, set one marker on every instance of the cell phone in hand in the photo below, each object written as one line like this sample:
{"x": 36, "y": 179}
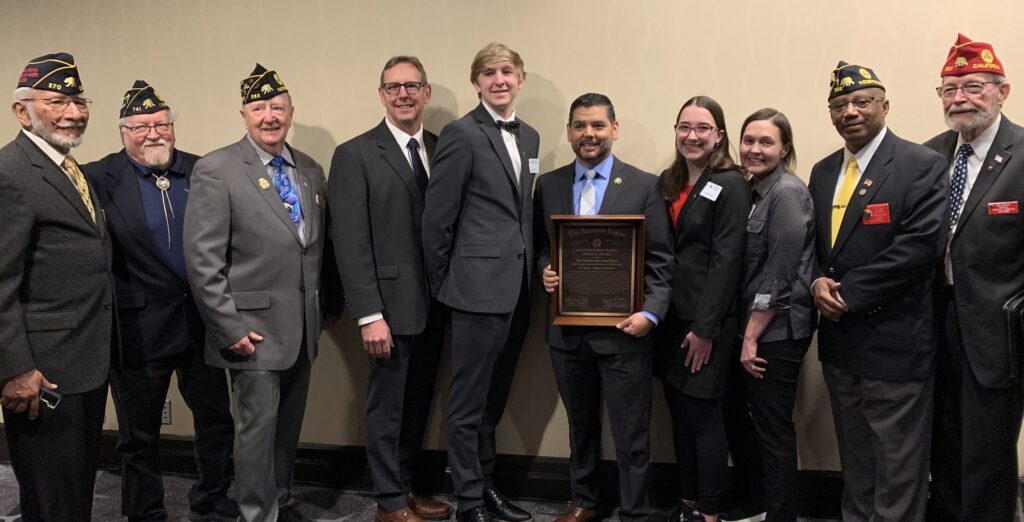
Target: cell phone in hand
{"x": 49, "y": 398}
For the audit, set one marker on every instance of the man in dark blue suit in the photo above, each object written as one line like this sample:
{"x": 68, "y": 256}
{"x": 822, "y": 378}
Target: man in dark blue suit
{"x": 377, "y": 183}
{"x": 978, "y": 382}
{"x": 143, "y": 190}
{"x": 591, "y": 361}
{"x": 477, "y": 248}
{"x": 880, "y": 205}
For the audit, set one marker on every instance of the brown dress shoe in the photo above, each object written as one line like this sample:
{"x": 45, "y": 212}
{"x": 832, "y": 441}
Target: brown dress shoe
{"x": 428, "y": 508}
{"x": 577, "y": 514}
{"x": 401, "y": 515}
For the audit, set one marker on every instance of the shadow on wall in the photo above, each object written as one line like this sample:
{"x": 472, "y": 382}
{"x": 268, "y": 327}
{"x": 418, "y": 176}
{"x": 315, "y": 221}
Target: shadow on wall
{"x": 317, "y": 142}
{"x": 442, "y": 108}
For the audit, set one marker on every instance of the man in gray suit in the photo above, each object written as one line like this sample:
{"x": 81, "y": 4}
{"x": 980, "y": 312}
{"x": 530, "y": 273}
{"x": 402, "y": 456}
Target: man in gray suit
{"x": 477, "y": 244}
{"x": 56, "y": 296}
{"x": 377, "y": 183}
{"x": 254, "y": 237}
{"x": 589, "y": 360}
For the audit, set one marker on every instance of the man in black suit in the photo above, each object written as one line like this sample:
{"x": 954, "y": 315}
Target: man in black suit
{"x": 978, "y": 397}
{"x": 377, "y": 182}
{"x": 616, "y": 361}
{"x": 478, "y": 247}
{"x": 56, "y": 298}
{"x": 143, "y": 190}
{"x": 880, "y": 203}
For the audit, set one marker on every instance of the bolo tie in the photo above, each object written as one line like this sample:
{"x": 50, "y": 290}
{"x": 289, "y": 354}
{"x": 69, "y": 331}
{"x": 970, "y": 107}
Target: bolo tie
{"x": 164, "y": 185}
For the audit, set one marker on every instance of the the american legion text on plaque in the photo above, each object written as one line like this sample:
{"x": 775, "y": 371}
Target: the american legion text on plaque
{"x": 600, "y": 264}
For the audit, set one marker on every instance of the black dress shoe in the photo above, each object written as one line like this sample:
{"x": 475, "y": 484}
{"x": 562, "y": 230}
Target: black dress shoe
{"x": 291, "y": 514}
{"x": 477, "y": 514}
{"x": 499, "y": 507}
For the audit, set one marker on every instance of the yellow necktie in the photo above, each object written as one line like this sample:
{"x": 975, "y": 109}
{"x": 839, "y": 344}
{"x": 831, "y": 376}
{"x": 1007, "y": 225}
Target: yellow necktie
{"x": 843, "y": 198}
{"x": 78, "y": 179}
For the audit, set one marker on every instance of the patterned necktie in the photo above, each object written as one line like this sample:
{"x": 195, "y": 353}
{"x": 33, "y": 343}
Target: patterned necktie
{"x": 418, "y": 169}
{"x": 286, "y": 191}
{"x": 843, "y": 198}
{"x": 588, "y": 196}
{"x": 959, "y": 184}
{"x": 78, "y": 180}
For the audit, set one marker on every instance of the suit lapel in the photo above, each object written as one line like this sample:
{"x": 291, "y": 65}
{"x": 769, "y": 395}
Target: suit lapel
{"x": 998, "y": 156}
{"x": 256, "y": 171}
{"x": 493, "y": 134}
{"x": 395, "y": 157}
{"x": 566, "y": 177}
{"x": 127, "y": 204}
{"x": 824, "y": 194}
{"x": 690, "y": 202}
{"x": 613, "y": 189}
{"x": 870, "y": 181}
{"x": 55, "y": 176}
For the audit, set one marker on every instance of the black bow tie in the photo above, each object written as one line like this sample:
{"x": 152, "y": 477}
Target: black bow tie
{"x": 511, "y": 126}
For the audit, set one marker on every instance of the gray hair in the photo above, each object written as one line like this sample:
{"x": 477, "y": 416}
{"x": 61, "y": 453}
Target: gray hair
{"x": 23, "y": 93}
{"x": 173, "y": 113}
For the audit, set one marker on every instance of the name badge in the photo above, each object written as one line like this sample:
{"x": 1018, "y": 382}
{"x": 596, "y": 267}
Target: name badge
{"x": 711, "y": 191}
{"x": 1003, "y": 208}
{"x": 877, "y": 214}
{"x": 534, "y": 166}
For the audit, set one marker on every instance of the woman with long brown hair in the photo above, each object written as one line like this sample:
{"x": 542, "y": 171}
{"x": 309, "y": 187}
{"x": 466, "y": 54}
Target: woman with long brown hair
{"x": 708, "y": 200}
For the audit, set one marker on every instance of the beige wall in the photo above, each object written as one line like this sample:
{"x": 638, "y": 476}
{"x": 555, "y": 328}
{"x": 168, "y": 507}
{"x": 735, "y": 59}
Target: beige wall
{"x": 648, "y": 56}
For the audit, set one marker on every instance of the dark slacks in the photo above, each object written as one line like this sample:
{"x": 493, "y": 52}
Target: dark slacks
{"x": 747, "y": 479}
{"x": 974, "y": 440}
{"x": 884, "y": 432}
{"x": 268, "y": 407}
{"x": 55, "y": 457}
{"x": 399, "y": 395}
{"x": 772, "y": 400}
{"x": 702, "y": 452}
{"x": 485, "y": 350}
{"x": 139, "y": 394}
{"x": 625, "y": 380}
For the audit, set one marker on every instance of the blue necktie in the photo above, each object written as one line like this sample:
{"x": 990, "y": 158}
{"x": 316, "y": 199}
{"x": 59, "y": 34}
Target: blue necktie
{"x": 286, "y": 191}
{"x": 959, "y": 184}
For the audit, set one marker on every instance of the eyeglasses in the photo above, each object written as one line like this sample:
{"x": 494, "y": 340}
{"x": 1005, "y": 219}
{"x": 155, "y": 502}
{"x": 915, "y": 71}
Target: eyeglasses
{"x": 861, "y": 104}
{"x": 393, "y": 88}
{"x": 62, "y": 103}
{"x": 700, "y": 131}
{"x": 947, "y": 92}
{"x": 143, "y": 130}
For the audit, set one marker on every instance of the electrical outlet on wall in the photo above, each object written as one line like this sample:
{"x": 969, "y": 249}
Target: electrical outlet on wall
{"x": 165, "y": 417}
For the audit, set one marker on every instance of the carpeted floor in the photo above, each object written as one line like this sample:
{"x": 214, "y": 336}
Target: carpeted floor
{"x": 319, "y": 503}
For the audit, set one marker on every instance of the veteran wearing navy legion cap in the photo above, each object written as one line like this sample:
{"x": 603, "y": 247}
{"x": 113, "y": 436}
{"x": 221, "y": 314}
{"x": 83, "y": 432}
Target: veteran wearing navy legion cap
{"x": 56, "y": 297}
{"x": 254, "y": 239}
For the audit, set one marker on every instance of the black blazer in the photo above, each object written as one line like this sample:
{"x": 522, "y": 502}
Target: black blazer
{"x": 987, "y": 251}
{"x": 637, "y": 193}
{"x": 478, "y": 222}
{"x": 710, "y": 237}
{"x": 886, "y": 270}
{"x": 156, "y": 313}
{"x": 56, "y": 291}
{"x": 376, "y": 219}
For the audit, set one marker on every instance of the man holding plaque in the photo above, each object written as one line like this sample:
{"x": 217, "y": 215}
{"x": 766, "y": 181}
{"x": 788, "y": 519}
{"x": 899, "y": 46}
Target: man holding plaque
{"x": 591, "y": 360}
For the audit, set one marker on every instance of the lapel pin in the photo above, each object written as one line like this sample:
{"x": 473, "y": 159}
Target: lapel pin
{"x": 617, "y": 181}
{"x": 862, "y": 192}
{"x": 868, "y": 182}
{"x": 264, "y": 184}
{"x": 989, "y": 169}
{"x": 998, "y": 158}
{"x": 867, "y": 214}
{"x": 305, "y": 184}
